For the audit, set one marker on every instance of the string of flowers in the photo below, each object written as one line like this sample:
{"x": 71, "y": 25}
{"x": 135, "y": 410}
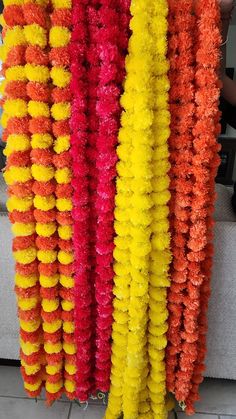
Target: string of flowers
{"x": 108, "y": 111}
{"x": 160, "y": 239}
{"x": 59, "y": 38}
{"x": 18, "y": 176}
{"x": 80, "y": 213}
{"x": 121, "y": 265}
{"x": 137, "y": 119}
{"x": 38, "y": 90}
{"x": 206, "y": 162}
{"x": 181, "y": 53}
{"x": 92, "y": 58}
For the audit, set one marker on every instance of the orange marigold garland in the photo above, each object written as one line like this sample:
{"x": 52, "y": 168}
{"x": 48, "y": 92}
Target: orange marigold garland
{"x": 60, "y": 34}
{"x": 182, "y": 70}
{"x": 20, "y": 203}
{"x": 206, "y": 162}
{"x": 192, "y": 211}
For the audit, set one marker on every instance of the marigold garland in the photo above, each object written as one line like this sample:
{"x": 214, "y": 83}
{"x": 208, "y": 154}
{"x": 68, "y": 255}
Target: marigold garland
{"x": 137, "y": 213}
{"x": 160, "y": 240}
{"x": 80, "y": 213}
{"x": 59, "y": 38}
{"x": 38, "y": 90}
{"x": 190, "y": 288}
{"x": 18, "y": 176}
{"x": 108, "y": 111}
{"x": 64, "y": 65}
{"x": 181, "y": 53}
{"x": 206, "y": 148}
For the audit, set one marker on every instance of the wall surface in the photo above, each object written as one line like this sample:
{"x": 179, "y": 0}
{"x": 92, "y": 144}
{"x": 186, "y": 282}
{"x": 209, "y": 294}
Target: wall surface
{"x": 231, "y": 62}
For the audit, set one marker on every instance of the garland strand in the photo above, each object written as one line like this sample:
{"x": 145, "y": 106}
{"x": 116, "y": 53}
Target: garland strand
{"x": 61, "y": 110}
{"x": 160, "y": 239}
{"x": 80, "y": 213}
{"x": 108, "y": 111}
{"x": 181, "y": 53}
{"x": 206, "y": 162}
{"x": 20, "y": 203}
{"x": 121, "y": 255}
{"x": 38, "y": 76}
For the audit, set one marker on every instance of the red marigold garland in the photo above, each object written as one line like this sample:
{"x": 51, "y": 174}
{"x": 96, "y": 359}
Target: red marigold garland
{"x": 206, "y": 162}
{"x": 20, "y": 204}
{"x": 91, "y": 151}
{"x": 80, "y": 213}
{"x": 182, "y": 70}
{"x": 61, "y": 110}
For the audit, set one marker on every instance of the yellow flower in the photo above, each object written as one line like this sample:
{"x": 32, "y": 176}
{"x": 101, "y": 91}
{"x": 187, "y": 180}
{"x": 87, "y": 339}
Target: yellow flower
{"x": 35, "y": 35}
{"x": 16, "y": 72}
{"x": 60, "y": 76}
{"x": 59, "y": 36}
{"x": 37, "y": 73}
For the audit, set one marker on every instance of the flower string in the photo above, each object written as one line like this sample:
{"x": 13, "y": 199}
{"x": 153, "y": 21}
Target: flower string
{"x": 181, "y": 53}
{"x": 160, "y": 239}
{"x": 121, "y": 255}
{"x": 38, "y": 90}
{"x": 60, "y": 34}
{"x": 80, "y": 213}
{"x": 108, "y": 111}
{"x": 18, "y": 176}
{"x": 133, "y": 186}
{"x": 206, "y": 162}
{"x": 92, "y": 55}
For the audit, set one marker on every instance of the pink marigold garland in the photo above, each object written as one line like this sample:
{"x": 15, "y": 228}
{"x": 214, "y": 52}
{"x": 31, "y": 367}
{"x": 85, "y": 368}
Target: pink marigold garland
{"x": 91, "y": 155}
{"x": 108, "y": 111}
{"x": 206, "y": 162}
{"x": 80, "y": 213}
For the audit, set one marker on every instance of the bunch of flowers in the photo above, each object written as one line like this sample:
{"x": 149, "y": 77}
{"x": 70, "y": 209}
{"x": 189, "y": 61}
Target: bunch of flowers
{"x": 59, "y": 38}
{"x": 80, "y": 213}
{"x": 182, "y": 56}
{"x": 18, "y": 176}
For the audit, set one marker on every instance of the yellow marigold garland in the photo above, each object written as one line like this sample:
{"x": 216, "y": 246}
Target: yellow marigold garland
{"x": 20, "y": 203}
{"x": 142, "y": 244}
{"x": 160, "y": 255}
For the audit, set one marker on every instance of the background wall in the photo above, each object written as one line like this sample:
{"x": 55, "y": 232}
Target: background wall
{"x": 231, "y": 62}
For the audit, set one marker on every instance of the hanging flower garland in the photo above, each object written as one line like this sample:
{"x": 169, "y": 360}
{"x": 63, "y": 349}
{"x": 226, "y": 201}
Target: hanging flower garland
{"x": 60, "y": 34}
{"x": 20, "y": 203}
{"x": 121, "y": 252}
{"x": 108, "y": 111}
{"x": 181, "y": 52}
{"x": 133, "y": 186}
{"x": 80, "y": 213}
{"x": 38, "y": 75}
{"x": 206, "y": 162}
{"x": 160, "y": 240}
